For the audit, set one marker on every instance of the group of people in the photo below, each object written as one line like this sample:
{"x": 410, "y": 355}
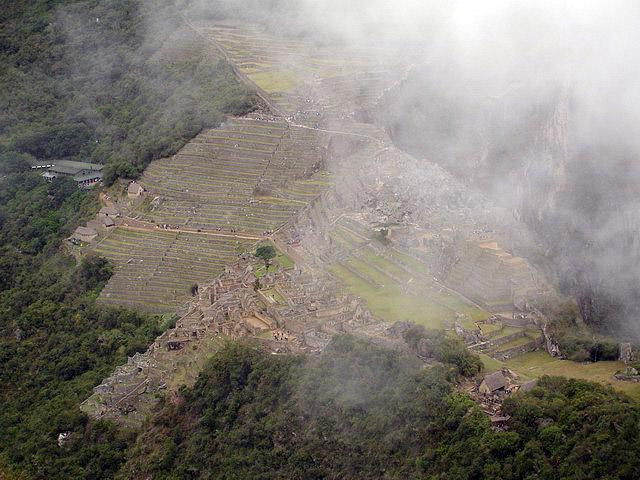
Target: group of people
{"x": 278, "y": 335}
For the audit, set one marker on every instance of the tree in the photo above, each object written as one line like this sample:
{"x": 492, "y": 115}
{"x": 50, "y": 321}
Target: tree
{"x": 60, "y": 189}
{"x": 266, "y": 253}
{"x": 94, "y": 272}
{"x": 14, "y": 162}
{"x": 382, "y": 236}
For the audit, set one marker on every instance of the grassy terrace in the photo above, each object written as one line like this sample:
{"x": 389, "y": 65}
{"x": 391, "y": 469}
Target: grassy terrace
{"x": 366, "y": 278}
{"x": 535, "y": 364}
{"x": 248, "y": 175}
{"x": 389, "y": 281}
{"x": 154, "y": 270}
{"x": 280, "y": 261}
{"x": 281, "y": 67}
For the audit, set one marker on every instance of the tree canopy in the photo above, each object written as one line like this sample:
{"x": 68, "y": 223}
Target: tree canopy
{"x": 266, "y": 253}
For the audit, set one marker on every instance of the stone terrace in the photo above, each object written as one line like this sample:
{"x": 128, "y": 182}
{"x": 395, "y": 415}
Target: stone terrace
{"x": 308, "y": 311}
{"x": 250, "y": 175}
{"x": 305, "y": 81}
{"x": 154, "y": 270}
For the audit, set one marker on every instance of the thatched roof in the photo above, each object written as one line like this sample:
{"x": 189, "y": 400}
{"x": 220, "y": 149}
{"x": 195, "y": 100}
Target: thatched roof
{"x": 86, "y": 231}
{"x": 135, "y": 188}
{"x": 109, "y": 211}
{"x": 495, "y": 381}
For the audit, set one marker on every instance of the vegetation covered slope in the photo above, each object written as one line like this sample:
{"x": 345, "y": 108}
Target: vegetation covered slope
{"x": 55, "y": 342}
{"x": 119, "y": 82}
{"x": 360, "y": 411}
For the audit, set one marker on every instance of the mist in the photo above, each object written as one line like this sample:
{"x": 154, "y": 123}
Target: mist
{"x": 533, "y": 103}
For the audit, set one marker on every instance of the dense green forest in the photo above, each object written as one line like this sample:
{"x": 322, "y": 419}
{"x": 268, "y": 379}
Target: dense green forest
{"x": 360, "y": 411}
{"x": 119, "y": 82}
{"x": 55, "y": 342}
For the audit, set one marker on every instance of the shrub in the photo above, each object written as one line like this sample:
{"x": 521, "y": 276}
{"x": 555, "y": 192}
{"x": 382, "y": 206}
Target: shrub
{"x": 583, "y": 348}
{"x": 266, "y": 253}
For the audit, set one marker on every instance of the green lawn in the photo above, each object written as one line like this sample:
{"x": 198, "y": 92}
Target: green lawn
{"x": 280, "y": 261}
{"x": 275, "y": 81}
{"x": 516, "y": 342}
{"x": 490, "y": 328}
{"x": 262, "y": 270}
{"x": 284, "y": 261}
{"x": 536, "y": 364}
{"x": 490, "y": 364}
{"x": 384, "y": 264}
{"x": 506, "y": 331}
{"x": 391, "y": 304}
{"x": 457, "y": 304}
{"x": 274, "y": 295}
{"x": 410, "y": 261}
{"x": 453, "y": 302}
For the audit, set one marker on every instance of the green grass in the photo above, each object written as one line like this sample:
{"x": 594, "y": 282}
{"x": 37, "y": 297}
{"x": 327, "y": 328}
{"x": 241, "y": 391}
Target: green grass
{"x": 490, "y": 328}
{"x": 284, "y": 261}
{"x": 453, "y": 302}
{"x": 384, "y": 264}
{"x": 539, "y": 363}
{"x": 374, "y": 274}
{"x": 266, "y": 335}
{"x": 506, "y": 331}
{"x": 490, "y": 364}
{"x": 262, "y": 270}
{"x": 349, "y": 237}
{"x": 280, "y": 261}
{"x": 410, "y": 261}
{"x": 516, "y": 342}
{"x": 274, "y": 295}
{"x": 457, "y": 304}
{"x": 275, "y": 81}
{"x": 391, "y": 304}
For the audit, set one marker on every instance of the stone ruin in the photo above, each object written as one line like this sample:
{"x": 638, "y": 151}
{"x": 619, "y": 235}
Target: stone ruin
{"x": 428, "y": 211}
{"x": 234, "y": 306}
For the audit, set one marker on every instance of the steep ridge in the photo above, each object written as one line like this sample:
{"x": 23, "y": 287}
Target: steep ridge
{"x": 332, "y": 235}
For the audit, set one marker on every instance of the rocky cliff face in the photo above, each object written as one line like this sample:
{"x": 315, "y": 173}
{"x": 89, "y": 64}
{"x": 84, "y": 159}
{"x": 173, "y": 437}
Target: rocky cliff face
{"x": 528, "y": 149}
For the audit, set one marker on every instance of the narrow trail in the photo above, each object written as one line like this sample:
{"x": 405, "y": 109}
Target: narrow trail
{"x": 336, "y": 132}
{"x": 149, "y": 228}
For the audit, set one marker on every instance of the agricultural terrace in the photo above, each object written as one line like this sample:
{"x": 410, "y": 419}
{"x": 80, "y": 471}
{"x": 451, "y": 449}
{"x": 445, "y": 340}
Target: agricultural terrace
{"x": 395, "y": 284}
{"x": 248, "y": 175}
{"x": 155, "y": 270}
{"x": 297, "y": 75}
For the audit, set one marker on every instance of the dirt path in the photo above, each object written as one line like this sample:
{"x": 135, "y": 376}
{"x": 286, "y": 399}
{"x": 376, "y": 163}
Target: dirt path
{"x": 149, "y": 228}
{"x": 337, "y": 132}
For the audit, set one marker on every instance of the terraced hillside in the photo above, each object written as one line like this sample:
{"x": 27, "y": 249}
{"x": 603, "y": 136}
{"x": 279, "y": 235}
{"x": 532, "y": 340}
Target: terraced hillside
{"x": 250, "y": 175}
{"x": 304, "y": 81}
{"x": 492, "y": 276}
{"x": 155, "y": 270}
{"x": 395, "y": 284}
